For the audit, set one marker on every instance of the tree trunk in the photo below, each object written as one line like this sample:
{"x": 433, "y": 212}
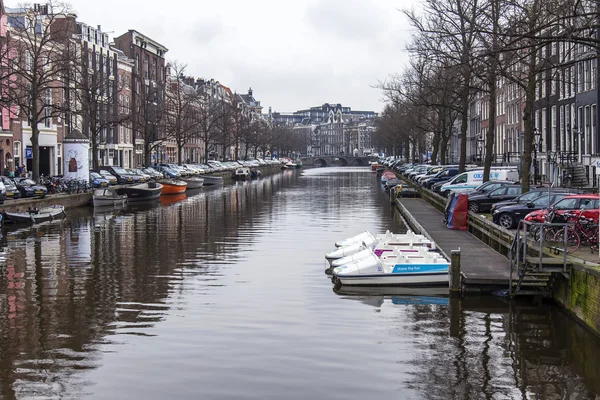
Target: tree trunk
{"x": 528, "y": 123}
{"x": 464, "y": 124}
{"x": 491, "y": 133}
{"x": 436, "y": 147}
{"x": 443, "y": 146}
{"x": 95, "y": 160}
{"x": 35, "y": 162}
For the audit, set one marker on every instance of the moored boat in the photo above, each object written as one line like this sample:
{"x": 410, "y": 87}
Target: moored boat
{"x": 34, "y": 215}
{"x": 108, "y": 197}
{"x": 142, "y": 191}
{"x": 426, "y": 268}
{"x": 210, "y": 180}
{"x": 241, "y": 174}
{"x": 194, "y": 183}
{"x": 173, "y": 187}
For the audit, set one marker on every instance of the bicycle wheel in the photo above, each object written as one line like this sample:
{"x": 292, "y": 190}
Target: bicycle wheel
{"x": 573, "y": 239}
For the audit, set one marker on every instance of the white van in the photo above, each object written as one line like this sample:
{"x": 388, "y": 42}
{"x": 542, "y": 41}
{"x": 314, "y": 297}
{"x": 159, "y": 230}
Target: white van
{"x": 472, "y": 179}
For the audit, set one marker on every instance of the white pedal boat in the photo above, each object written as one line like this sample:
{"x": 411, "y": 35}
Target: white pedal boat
{"x": 424, "y": 268}
{"x": 378, "y": 250}
{"x": 380, "y": 245}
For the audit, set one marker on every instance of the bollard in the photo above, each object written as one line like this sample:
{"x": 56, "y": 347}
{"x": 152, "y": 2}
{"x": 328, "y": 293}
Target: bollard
{"x": 455, "y": 281}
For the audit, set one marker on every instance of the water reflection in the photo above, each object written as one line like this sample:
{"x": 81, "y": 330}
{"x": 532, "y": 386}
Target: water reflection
{"x": 222, "y": 295}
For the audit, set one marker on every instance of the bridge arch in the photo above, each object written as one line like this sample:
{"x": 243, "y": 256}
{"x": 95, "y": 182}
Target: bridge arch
{"x": 320, "y": 162}
{"x": 358, "y": 162}
{"x": 340, "y": 161}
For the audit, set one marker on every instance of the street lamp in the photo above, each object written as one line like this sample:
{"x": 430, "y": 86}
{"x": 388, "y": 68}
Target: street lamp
{"x": 480, "y": 142}
{"x": 537, "y": 144}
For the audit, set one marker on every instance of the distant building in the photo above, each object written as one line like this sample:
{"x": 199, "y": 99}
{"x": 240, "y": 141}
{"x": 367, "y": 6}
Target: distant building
{"x": 331, "y": 128}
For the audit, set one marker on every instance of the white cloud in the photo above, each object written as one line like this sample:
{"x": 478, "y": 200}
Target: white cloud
{"x": 294, "y": 54}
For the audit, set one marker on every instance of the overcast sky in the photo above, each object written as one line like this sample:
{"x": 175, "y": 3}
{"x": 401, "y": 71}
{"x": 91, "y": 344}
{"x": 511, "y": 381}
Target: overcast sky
{"x": 294, "y": 54}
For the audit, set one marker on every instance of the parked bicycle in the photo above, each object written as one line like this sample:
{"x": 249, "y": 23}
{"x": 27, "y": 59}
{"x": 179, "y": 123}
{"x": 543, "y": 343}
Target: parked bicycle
{"x": 583, "y": 231}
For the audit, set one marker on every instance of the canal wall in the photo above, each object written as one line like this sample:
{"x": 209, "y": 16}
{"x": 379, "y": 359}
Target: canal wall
{"x": 579, "y": 295}
{"x": 75, "y": 200}
{"x": 577, "y": 292}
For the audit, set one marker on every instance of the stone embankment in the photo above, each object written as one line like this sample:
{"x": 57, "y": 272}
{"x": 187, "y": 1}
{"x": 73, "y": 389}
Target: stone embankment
{"x": 75, "y": 200}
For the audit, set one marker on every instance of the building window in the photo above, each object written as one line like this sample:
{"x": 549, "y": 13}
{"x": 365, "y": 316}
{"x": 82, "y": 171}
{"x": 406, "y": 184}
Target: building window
{"x": 121, "y": 134}
{"x": 47, "y": 109}
{"x": 17, "y": 150}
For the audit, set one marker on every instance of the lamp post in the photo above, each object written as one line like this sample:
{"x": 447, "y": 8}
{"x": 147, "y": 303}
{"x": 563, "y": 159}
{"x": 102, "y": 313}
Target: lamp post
{"x": 480, "y": 142}
{"x": 538, "y": 143}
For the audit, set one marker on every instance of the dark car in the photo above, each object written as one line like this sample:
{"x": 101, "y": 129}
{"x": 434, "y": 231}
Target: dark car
{"x": 437, "y": 187}
{"x": 533, "y": 194}
{"x": 481, "y": 202}
{"x": 123, "y": 176}
{"x": 509, "y": 216}
{"x": 390, "y": 183}
{"x": 11, "y": 189}
{"x": 488, "y": 186}
{"x": 28, "y": 188}
{"x": 443, "y": 175}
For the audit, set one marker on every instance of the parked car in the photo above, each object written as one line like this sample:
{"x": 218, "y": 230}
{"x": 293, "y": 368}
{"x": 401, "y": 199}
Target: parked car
{"x": 137, "y": 177}
{"x": 472, "y": 179}
{"x": 29, "y": 188}
{"x": 112, "y": 180}
{"x": 11, "y": 191}
{"x": 167, "y": 172}
{"x": 443, "y": 175}
{"x": 97, "y": 180}
{"x": 510, "y": 215}
{"x": 573, "y": 203}
{"x": 482, "y": 202}
{"x": 533, "y": 194}
{"x": 122, "y": 175}
{"x": 154, "y": 174}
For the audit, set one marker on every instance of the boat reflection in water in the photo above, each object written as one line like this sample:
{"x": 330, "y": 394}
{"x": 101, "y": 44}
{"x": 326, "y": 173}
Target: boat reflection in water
{"x": 375, "y": 296}
{"x": 172, "y": 199}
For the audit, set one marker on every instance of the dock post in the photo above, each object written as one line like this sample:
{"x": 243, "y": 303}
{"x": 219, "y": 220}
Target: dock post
{"x": 455, "y": 281}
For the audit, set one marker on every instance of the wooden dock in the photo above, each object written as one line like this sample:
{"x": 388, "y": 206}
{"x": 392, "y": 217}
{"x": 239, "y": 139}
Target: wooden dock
{"x": 480, "y": 264}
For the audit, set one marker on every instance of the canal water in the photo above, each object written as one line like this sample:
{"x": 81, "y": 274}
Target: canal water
{"x": 222, "y": 295}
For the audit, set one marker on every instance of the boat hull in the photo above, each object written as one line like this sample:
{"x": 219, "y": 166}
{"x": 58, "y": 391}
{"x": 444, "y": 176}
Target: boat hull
{"x": 210, "y": 180}
{"x": 98, "y": 202}
{"x": 194, "y": 183}
{"x": 42, "y": 215}
{"x": 173, "y": 188}
{"x": 141, "y": 192}
{"x": 425, "y": 279}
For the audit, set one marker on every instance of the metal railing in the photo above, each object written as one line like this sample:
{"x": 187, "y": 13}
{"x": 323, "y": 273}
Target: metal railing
{"x": 532, "y": 238}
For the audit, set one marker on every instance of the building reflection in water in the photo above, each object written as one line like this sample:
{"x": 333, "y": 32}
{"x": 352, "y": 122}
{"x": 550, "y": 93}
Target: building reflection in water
{"x": 489, "y": 348}
{"x": 69, "y": 286}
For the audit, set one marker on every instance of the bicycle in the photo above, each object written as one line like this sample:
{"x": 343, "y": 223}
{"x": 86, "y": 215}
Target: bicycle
{"x": 584, "y": 230}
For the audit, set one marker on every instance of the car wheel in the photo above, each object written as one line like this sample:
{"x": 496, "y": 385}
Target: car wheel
{"x": 506, "y": 220}
{"x": 473, "y": 206}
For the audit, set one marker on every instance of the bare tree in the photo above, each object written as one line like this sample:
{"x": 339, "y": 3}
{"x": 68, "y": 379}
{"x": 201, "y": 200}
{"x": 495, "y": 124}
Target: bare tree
{"x": 208, "y": 115}
{"x": 181, "y": 108}
{"x": 449, "y": 27}
{"x": 148, "y": 116}
{"x": 40, "y": 57}
{"x": 97, "y": 99}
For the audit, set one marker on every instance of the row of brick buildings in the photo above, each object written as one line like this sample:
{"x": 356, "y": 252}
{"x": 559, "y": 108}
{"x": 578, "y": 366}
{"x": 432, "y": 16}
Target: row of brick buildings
{"x": 122, "y": 81}
{"x": 566, "y": 144}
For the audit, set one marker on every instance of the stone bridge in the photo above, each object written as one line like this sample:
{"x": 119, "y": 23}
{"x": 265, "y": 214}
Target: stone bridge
{"x": 340, "y": 160}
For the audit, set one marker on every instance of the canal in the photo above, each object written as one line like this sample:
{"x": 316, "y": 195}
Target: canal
{"x": 222, "y": 295}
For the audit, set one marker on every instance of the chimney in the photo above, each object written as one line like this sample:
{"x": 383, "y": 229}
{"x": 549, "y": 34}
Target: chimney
{"x": 99, "y": 28}
{"x": 250, "y": 92}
